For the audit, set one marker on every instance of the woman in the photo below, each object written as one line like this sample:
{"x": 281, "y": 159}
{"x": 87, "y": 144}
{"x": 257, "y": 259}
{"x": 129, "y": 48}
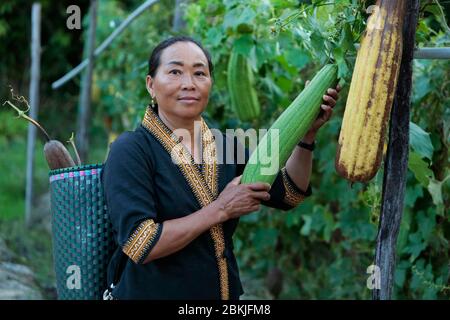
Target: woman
{"x": 174, "y": 220}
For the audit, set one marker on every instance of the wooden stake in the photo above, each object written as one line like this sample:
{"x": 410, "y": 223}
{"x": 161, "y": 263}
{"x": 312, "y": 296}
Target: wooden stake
{"x": 396, "y": 164}
{"x": 84, "y": 109}
{"x": 34, "y": 105}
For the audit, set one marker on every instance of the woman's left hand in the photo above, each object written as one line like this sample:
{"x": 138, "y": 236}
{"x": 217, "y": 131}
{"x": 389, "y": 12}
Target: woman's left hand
{"x": 329, "y": 101}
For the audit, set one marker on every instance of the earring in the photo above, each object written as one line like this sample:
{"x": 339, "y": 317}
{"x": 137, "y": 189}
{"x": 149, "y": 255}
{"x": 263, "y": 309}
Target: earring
{"x": 153, "y": 103}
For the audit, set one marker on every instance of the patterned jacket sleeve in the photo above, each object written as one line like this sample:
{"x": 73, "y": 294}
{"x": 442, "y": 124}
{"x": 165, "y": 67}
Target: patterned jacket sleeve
{"x": 129, "y": 195}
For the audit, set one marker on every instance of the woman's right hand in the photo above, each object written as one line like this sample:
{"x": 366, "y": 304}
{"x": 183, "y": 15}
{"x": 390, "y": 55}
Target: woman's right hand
{"x": 240, "y": 199}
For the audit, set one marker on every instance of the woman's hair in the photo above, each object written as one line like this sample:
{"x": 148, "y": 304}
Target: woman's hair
{"x": 154, "y": 60}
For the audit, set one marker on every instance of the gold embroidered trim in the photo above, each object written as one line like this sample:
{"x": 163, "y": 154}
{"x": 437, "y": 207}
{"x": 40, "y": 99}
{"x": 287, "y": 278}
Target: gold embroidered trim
{"x": 203, "y": 183}
{"x": 141, "y": 240}
{"x": 292, "y": 197}
{"x": 182, "y": 157}
{"x": 210, "y": 160}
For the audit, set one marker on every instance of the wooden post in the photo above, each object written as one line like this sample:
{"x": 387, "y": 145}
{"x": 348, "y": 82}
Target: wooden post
{"x": 178, "y": 22}
{"x": 34, "y": 105}
{"x": 396, "y": 164}
{"x": 84, "y": 108}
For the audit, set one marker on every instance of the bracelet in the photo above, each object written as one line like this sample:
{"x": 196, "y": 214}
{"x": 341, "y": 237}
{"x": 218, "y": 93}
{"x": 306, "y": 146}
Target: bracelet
{"x": 307, "y": 146}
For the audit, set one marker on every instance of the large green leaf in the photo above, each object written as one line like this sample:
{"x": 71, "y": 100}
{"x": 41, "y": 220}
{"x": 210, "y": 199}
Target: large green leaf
{"x": 297, "y": 57}
{"x": 420, "y": 168}
{"x": 415, "y": 246}
{"x": 420, "y": 141}
{"x": 237, "y": 16}
{"x": 214, "y": 36}
{"x": 244, "y": 45}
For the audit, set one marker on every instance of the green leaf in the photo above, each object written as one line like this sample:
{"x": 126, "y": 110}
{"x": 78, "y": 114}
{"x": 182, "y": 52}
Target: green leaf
{"x": 435, "y": 189}
{"x": 264, "y": 51}
{"x": 426, "y": 224}
{"x": 400, "y": 273}
{"x": 421, "y": 87}
{"x": 339, "y": 57}
{"x": 237, "y": 16}
{"x": 317, "y": 46}
{"x": 412, "y": 194}
{"x": 346, "y": 42}
{"x": 420, "y": 168}
{"x": 230, "y": 3}
{"x": 306, "y": 229}
{"x": 420, "y": 141}
{"x": 356, "y": 224}
{"x": 338, "y": 54}
{"x": 293, "y": 71}
{"x": 292, "y": 219}
{"x": 296, "y": 57}
{"x": 343, "y": 70}
{"x": 272, "y": 87}
{"x": 437, "y": 11}
{"x": 284, "y": 84}
{"x": 214, "y": 36}
{"x": 415, "y": 246}
{"x": 322, "y": 13}
{"x": 264, "y": 238}
{"x": 244, "y": 45}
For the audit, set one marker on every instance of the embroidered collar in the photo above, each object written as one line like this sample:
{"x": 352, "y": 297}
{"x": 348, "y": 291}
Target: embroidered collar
{"x": 181, "y": 156}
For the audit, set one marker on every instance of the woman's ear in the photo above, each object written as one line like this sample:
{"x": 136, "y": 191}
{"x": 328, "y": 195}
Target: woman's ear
{"x": 149, "y": 85}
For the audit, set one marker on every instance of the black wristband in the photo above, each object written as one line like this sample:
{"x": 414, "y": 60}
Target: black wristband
{"x": 307, "y": 146}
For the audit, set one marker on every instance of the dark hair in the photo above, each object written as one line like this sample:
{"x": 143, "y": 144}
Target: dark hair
{"x": 154, "y": 60}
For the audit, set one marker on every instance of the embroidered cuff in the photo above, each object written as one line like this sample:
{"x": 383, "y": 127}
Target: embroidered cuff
{"x": 142, "y": 241}
{"x": 294, "y": 196}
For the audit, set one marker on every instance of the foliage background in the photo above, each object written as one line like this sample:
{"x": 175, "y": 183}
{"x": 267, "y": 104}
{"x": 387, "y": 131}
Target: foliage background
{"x": 320, "y": 250}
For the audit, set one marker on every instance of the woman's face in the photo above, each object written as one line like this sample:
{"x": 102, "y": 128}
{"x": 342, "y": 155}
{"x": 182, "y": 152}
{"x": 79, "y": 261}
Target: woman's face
{"x": 182, "y": 81}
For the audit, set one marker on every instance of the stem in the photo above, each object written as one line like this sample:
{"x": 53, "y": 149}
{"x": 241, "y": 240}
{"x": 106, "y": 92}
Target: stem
{"x": 23, "y": 115}
{"x": 72, "y": 142}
